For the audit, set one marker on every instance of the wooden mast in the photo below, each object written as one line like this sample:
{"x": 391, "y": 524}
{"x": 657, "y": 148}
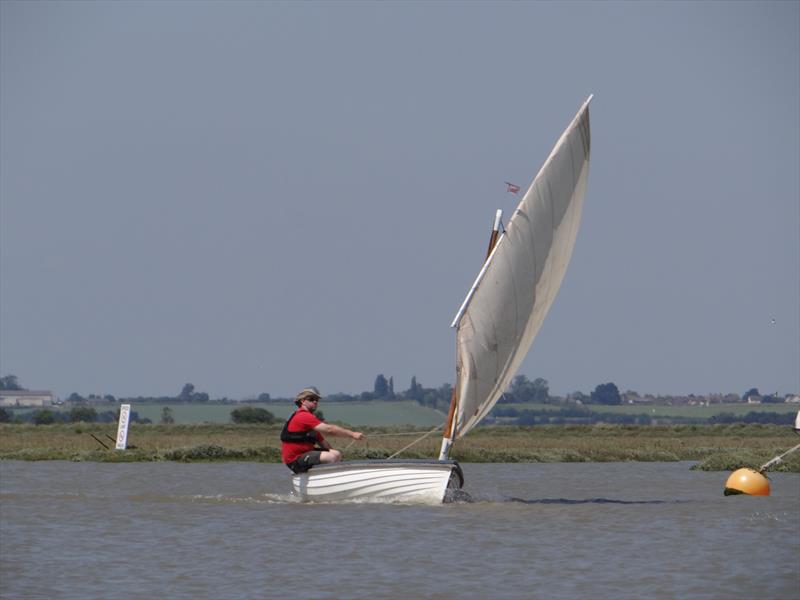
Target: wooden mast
{"x": 495, "y": 232}
{"x": 449, "y": 428}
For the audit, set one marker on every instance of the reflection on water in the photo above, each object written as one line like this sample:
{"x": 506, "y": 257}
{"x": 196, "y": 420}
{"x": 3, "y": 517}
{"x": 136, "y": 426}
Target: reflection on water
{"x": 234, "y": 530}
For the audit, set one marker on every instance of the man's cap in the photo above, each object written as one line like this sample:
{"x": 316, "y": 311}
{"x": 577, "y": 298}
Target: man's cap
{"x": 309, "y": 393}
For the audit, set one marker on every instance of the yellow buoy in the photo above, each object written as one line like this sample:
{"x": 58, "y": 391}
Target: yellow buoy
{"x": 747, "y": 481}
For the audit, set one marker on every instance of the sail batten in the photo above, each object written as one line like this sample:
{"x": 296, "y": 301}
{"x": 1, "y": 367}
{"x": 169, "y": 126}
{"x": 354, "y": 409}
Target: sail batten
{"x": 516, "y": 286}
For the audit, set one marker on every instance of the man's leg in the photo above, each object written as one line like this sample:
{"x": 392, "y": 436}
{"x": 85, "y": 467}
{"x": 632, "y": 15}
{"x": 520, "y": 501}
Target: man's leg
{"x": 330, "y": 456}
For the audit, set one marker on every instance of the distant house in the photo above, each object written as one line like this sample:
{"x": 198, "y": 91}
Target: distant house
{"x": 25, "y": 398}
{"x": 792, "y": 399}
{"x": 754, "y": 399}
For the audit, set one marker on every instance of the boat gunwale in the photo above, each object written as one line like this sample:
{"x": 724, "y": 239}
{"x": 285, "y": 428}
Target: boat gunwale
{"x": 389, "y": 462}
{"x": 329, "y": 468}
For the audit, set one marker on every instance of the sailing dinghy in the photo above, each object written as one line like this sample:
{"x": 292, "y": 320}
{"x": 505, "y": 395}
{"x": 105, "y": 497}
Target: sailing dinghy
{"x": 495, "y": 327}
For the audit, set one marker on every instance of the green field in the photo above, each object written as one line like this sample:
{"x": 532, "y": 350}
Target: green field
{"x": 410, "y": 413}
{"x": 661, "y": 410}
{"x": 354, "y": 413}
{"x": 359, "y": 414}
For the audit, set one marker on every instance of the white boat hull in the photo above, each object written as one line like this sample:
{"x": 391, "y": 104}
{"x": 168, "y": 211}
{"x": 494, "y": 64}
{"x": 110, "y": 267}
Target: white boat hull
{"x": 419, "y": 481}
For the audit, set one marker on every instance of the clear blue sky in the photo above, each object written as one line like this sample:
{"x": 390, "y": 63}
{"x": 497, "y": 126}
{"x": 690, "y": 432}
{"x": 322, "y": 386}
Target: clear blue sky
{"x": 255, "y": 197}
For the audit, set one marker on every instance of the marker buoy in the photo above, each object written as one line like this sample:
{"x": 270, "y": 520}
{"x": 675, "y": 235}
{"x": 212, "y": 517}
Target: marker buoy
{"x": 747, "y": 481}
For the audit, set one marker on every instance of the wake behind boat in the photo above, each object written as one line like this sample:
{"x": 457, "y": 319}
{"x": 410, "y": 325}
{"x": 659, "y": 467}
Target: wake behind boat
{"x": 495, "y": 327}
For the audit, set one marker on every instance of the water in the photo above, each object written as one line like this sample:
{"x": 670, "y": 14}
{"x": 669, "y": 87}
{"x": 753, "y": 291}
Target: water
{"x": 232, "y": 530}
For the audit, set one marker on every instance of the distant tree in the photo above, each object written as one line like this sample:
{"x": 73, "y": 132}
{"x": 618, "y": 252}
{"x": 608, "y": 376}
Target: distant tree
{"x": 414, "y": 392}
{"x": 166, "y": 416}
{"x": 252, "y": 414}
{"x": 391, "y": 388}
{"x": 541, "y": 390}
{"x": 5, "y": 415}
{"x": 606, "y": 393}
{"x": 751, "y": 392}
{"x": 9, "y": 382}
{"x": 83, "y": 413}
{"x": 524, "y": 390}
{"x": 76, "y": 398}
{"x": 109, "y": 398}
{"x": 381, "y": 387}
{"x": 263, "y": 397}
{"x": 43, "y": 417}
{"x": 186, "y": 393}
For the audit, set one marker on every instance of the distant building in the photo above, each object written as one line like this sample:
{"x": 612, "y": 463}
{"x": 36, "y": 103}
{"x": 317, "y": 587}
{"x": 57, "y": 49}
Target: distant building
{"x": 792, "y": 398}
{"x": 25, "y": 398}
{"x": 754, "y": 399}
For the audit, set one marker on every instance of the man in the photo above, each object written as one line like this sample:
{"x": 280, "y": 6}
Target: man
{"x": 302, "y": 442}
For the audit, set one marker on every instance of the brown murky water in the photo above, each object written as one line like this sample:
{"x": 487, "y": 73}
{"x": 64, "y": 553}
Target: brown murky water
{"x": 232, "y": 530}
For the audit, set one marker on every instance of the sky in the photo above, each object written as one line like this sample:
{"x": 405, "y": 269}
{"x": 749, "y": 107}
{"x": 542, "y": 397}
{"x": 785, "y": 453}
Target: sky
{"x": 260, "y": 196}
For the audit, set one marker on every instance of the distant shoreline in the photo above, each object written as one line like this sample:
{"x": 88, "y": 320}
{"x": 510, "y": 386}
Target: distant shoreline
{"x": 713, "y": 447}
{"x": 378, "y": 413}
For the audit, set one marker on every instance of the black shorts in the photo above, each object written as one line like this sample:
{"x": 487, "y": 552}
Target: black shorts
{"x": 306, "y": 461}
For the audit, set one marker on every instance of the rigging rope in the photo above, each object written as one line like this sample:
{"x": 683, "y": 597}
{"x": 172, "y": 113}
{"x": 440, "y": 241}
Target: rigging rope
{"x": 422, "y": 437}
{"x": 778, "y": 459}
{"x": 415, "y": 441}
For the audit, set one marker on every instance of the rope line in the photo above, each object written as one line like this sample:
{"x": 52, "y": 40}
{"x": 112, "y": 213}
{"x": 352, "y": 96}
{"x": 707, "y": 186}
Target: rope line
{"x": 416, "y": 441}
{"x": 778, "y": 459}
{"x": 422, "y": 437}
{"x": 372, "y": 435}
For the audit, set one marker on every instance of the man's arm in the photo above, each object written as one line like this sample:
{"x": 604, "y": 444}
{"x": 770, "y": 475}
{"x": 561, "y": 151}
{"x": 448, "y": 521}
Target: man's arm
{"x": 330, "y": 429}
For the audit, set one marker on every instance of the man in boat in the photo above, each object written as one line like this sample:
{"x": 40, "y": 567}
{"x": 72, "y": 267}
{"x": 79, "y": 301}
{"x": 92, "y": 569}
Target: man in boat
{"x": 302, "y": 441}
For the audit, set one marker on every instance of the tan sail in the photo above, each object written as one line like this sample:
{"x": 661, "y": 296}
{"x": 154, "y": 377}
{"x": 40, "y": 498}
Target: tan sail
{"x": 519, "y": 281}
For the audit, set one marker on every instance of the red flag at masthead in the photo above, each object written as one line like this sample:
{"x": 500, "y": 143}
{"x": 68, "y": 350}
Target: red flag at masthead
{"x": 510, "y": 187}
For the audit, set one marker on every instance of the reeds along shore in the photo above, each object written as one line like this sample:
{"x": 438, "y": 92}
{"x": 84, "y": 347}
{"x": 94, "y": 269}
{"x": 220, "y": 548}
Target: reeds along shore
{"x": 714, "y": 447}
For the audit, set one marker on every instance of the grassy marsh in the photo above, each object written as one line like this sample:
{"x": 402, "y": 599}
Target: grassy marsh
{"x": 715, "y": 447}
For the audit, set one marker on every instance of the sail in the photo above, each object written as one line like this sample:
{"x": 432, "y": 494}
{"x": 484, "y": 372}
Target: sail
{"x": 521, "y": 277}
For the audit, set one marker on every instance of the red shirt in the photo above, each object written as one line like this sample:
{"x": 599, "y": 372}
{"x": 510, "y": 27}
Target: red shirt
{"x": 302, "y": 421}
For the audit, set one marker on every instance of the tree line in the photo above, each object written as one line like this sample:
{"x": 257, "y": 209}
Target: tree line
{"x": 584, "y": 415}
{"x": 76, "y": 414}
{"x": 521, "y": 391}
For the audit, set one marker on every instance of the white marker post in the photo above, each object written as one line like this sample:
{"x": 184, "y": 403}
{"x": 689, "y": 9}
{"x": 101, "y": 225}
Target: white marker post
{"x": 122, "y": 429}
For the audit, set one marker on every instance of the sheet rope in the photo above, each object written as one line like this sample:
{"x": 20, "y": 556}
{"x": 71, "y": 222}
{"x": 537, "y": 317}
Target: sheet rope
{"x": 403, "y": 449}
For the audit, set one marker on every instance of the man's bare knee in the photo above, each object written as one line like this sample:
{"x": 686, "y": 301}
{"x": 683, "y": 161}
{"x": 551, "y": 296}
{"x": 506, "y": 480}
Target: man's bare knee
{"x": 331, "y": 456}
